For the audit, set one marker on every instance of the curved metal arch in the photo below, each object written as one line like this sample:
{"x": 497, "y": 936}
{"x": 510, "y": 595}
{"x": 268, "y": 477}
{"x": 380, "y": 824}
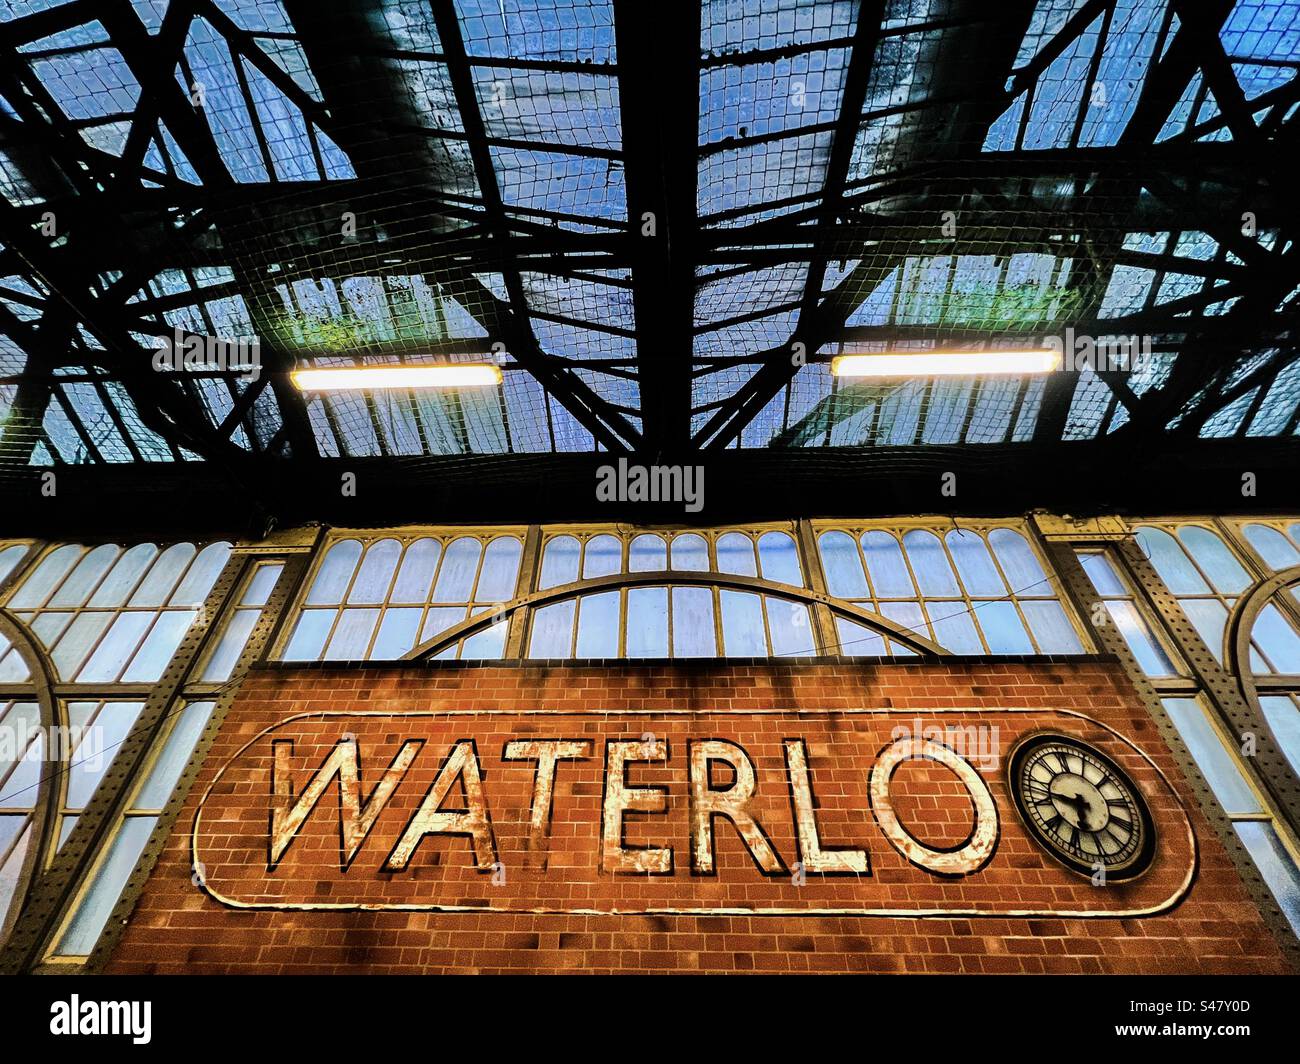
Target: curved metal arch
{"x": 471, "y": 625}
{"x": 42, "y": 677}
{"x": 1236, "y": 639}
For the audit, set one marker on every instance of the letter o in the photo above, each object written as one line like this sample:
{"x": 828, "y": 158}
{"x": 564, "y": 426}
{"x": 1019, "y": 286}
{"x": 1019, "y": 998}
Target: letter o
{"x": 975, "y": 852}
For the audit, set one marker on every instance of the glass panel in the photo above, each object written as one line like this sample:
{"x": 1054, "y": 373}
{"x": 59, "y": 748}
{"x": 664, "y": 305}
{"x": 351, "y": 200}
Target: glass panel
{"x": 907, "y": 614}
{"x": 1052, "y": 629}
{"x": 779, "y": 559}
{"x": 161, "y": 643}
{"x": 1208, "y": 617}
{"x": 500, "y": 570}
{"x": 1102, "y": 574}
{"x": 1019, "y": 563}
{"x": 12, "y": 859}
{"x": 233, "y": 639}
{"x": 86, "y": 576}
{"x": 843, "y": 567}
{"x": 1277, "y": 551}
{"x": 1219, "y": 767}
{"x": 163, "y": 575}
{"x": 694, "y": 635}
{"x": 263, "y": 582}
{"x": 1284, "y": 718}
{"x": 790, "y": 627}
{"x": 598, "y": 626}
{"x": 416, "y": 574}
{"x": 437, "y": 621}
{"x": 1003, "y": 628}
{"x": 1217, "y": 561}
{"x": 858, "y": 641}
{"x": 396, "y": 633}
{"x": 560, "y": 562}
{"x": 10, "y": 557}
{"x": 488, "y": 644}
{"x": 1174, "y": 567}
{"x": 175, "y": 755}
{"x": 309, "y": 635}
{"x": 603, "y": 556}
{"x": 1278, "y": 639}
{"x": 646, "y": 554}
{"x": 930, "y": 564}
{"x": 954, "y": 628}
{"x": 885, "y": 566}
{"x": 1151, "y": 657}
{"x": 690, "y": 552}
{"x": 743, "y": 634}
{"x": 459, "y": 567}
{"x": 376, "y": 572}
{"x": 647, "y": 622}
{"x": 93, "y": 755}
{"x": 77, "y": 641}
{"x": 352, "y": 636}
{"x": 335, "y": 573}
{"x": 45, "y": 577}
{"x": 121, "y": 581}
{"x": 552, "y": 634}
{"x": 1275, "y": 866}
{"x": 106, "y": 887}
{"x": 736, "y": 555}
{"x": 202, "y": 574}
{"x": 115, "y": 649}
{"x": 974, "y": 563}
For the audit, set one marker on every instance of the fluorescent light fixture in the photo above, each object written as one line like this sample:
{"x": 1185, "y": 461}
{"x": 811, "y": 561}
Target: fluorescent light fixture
{"x": 945, "y": 363}
{"x": 375, "y": 378}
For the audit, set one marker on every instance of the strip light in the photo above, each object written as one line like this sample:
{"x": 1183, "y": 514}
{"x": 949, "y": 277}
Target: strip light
{"x": 945, "y": 363}
{"x": 375, "y": 378}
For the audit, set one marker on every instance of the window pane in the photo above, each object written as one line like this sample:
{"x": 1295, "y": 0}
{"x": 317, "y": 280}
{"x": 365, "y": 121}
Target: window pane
{"x": 92, "y": 756}
{"x": 930, "y": 564}
{"x": 12, "y": 857}
{"x": 335, "y": 573}
{"x": 1213, "y": 556}
{"x": 1284, "y": 719}
{"x": 552, "y": 634}
{"x": 1275, "y": 866}
{"x": 92, "y": 914}
{"x": 175, "y": 755}
{"x": 858, "y": 641}
{"x": 1178, "y": 573}
{"x": 1278, "y": 639}
{"x": 488, "y": 644}
{"x": 694, "y": 635}
{"x": 115, "y": 648}
{"x": 352, "y": 635}
{"x": 1208, "y": 617}
{"x": 690, "y": 552}
{"x": 438, "y": 620}
{"x": 1003, "y": 628}
{"x": 1051, "y": 628}
{"x": 415, "y": 577}
{"x": 560, "y": 562}
{"x": 233, "y": 640}
{"x": 1151, "y": 657}
{"x": 603, "y": 556}
{"x": 164, "y": 575}
{"x": 500, "y": 570}
{"x": 974, "y": 563}
{"x": 1217, "y": 766}
{"x": 159, "y": 646}
{"x": 778, "y": 559}
{"x": 885, "y": 566}
{"x": 646, "y": 554}
{"x": 309, "y": 635}
{"x": 954, "y": 628}
{"x": 376, "y": 572}
{"x": 10, "y": 557}
{"x": 1276, "y": 550}
{"x": 1018, "y": 562}
{"x": 647, "y": 622}
{"x": 45, "y": 577}
{"x": 843, "y": 567}
{"x": 790, "y": 627}
{"x": 598, "y": 626}
{"x": 1102, "y": 574}
{"x": 85, "y": 577}
{"x": 263, "y": 582}
{"x": 124, "y": 576}
{"x": 77, "y": 641}
{"x": 396, "y": 633}
{"x": 459, "y": 567}
{"x": 742, "y": 625}
{"x": 202, "y": 574}
{"x": 907, "y": 614}
{"x": 736, "y": 554}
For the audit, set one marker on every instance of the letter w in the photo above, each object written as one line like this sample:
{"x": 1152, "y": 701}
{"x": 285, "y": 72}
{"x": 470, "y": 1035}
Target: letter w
{"x": 356, "y": 818}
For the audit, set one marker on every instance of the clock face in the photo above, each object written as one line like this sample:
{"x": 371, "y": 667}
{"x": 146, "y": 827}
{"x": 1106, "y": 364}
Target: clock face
{"x": 1081, "y": 807}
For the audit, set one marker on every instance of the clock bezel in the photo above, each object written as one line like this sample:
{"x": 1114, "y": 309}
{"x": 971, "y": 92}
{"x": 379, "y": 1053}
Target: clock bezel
{"x": 1136, "y": 865}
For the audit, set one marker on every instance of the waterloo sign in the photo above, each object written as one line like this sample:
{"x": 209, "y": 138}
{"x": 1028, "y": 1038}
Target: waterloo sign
{"x": 869, "y": 812}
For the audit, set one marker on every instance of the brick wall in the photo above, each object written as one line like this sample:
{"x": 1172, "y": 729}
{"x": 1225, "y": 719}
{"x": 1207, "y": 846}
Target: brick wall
{"x": 543, "y": 891}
